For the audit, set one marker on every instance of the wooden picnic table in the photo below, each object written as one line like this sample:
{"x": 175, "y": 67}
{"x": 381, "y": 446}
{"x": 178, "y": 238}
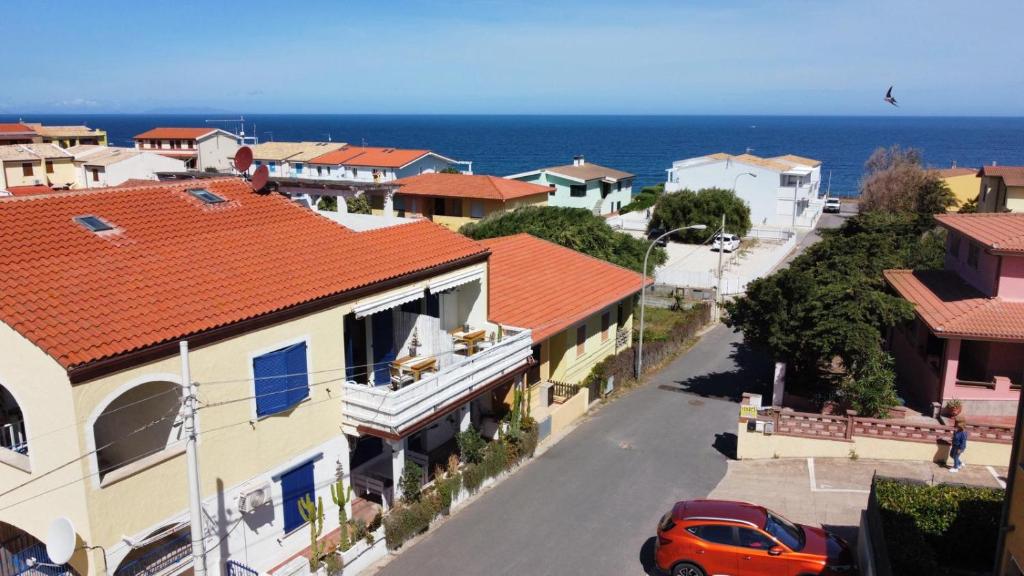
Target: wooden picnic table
{"x": 415, "y": 365}
{"x": 470, "y": 338}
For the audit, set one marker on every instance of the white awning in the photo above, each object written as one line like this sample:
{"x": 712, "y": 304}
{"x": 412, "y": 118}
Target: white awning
{"x": 450, "y": 282}
{"x": 372, "y": 306}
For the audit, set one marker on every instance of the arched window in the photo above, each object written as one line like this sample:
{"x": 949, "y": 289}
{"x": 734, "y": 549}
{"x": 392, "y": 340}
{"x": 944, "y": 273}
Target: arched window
{"x": 12, "y": 424}
{"x": 138, "y": 424}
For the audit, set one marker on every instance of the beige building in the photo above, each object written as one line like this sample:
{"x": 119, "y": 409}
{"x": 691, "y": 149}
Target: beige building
{"x": 341, "y": 360}
{"x": 68, "y": 136}
{"x": 36, "y": 165}
{"x": 102, "y": 166}
{"x": 1002, "y": 189}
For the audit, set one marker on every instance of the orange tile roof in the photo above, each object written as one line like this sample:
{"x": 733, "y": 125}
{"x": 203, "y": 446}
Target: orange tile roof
{"x": 952, "y": 308}
{"x": 16, "y": 128}
{"x": 540, "y": 285}
{"x": 468, "y": 186}
{"x": 174, "y": 267}
{"x": 953, "y": 172}
{"x": 1011, "y": 175}
{"x": 1000, "y": 232}
{"x": 172, "y": 133}
{"x": 29, "y": 190}
{"x": 370, "y": 156}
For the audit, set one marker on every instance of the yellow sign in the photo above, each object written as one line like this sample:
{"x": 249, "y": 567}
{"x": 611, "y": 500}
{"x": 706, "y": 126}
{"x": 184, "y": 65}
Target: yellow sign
{"x": 748, "y": 411}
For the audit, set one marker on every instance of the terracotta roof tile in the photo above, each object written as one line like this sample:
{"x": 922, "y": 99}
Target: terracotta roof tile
{"x": 1011, "y": 175}
{"x": 588, "y": 171}
{"x": 1001, "y": 232}
{"x": 952, "y": 308}
{"x": 468, "y": 186}
{"x": 174, "y": 132}
{"x": 174, "y": 266}
{"x": 370, "y": 156}
{"x": 540, "y": 285}
{"x": 953, "y": 172}
{"x": 799, "y": 160}
{"x": 16, "y": 128}
{"x": 29, "y": 190}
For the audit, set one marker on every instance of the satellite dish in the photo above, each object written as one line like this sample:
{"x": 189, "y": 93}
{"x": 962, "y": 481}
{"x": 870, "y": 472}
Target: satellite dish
{"x": 60, "y": 541}
{"x": 260, "y": 177}
{"x": 243, "y": 159}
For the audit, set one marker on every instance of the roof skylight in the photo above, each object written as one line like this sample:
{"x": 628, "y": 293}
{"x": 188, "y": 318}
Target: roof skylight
{"x": 206, "y": 196}
{"x": 93, "y": 223}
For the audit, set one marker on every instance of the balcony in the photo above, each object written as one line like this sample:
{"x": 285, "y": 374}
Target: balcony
{"x": 394, "y": 411}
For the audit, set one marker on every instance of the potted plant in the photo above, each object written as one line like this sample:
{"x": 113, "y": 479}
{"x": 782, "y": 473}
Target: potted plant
{"x": 954, "y": 407}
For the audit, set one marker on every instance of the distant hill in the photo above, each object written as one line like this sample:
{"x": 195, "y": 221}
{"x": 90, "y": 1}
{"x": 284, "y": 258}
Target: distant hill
{"x": 188, "y": 110}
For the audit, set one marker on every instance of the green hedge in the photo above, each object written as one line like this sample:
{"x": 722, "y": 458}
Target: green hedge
{"x": 937, "y": 530}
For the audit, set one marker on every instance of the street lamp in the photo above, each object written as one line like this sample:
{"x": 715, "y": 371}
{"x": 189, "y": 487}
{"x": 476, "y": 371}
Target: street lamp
{"x": 643, "y": 290}
{"x": 721, "y": 231}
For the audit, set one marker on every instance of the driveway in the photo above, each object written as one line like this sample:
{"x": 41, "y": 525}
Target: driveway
{"x": 589, "y": 504}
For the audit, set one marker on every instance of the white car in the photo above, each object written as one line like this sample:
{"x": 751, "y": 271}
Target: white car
{"x": 833, "y": 205}
{"x": 727, "y": 242}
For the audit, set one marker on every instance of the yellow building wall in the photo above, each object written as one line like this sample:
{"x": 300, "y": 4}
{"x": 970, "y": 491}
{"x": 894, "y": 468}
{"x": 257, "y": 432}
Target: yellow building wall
{"x": 63, "y": 173}
{"x": 453, "y": 223}
{"x": 965, "y": 188}
{"x": 573, "y": 368}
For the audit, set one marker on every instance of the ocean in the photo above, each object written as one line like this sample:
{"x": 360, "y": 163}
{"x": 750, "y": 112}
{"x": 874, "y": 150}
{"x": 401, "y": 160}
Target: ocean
{"x": 643, "y": 145}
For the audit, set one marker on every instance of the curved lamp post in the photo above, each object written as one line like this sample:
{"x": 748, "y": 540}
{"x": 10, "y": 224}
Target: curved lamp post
{"x": 643, "y": 290}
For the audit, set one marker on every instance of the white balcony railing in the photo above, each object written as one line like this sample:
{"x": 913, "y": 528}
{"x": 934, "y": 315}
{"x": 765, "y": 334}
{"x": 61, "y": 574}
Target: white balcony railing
{"x": 394, "y": 410}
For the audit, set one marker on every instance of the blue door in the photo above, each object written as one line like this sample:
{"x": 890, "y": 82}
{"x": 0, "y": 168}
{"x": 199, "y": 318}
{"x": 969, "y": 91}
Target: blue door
{"x": 383, "y": 346}
{"x": 295, "y": 485}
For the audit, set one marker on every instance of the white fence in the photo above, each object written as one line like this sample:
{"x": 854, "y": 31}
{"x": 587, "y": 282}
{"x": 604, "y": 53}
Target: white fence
{"x": 731, "y": 283}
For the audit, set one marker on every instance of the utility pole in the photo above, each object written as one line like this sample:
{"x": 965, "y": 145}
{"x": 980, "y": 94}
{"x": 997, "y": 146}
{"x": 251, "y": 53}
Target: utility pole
{"x": 194, "y": 500}
{"x": 718, "y": 291}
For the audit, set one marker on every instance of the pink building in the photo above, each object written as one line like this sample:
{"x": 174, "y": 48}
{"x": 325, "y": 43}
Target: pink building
{"x": 967, "y": 340}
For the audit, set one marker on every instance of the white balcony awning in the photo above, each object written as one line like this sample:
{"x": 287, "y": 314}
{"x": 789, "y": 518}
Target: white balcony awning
{"x": 450, "y": 282}
{"x": 374, "y": 305}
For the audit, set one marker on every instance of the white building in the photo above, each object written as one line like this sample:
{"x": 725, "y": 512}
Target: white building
{"x": 583, "y": 185}
{"x": 102, "y": 166}
{"x": 200, "y": 148}
{"x": 291, "y": 159}
{"x": 375, "y": 165}
{"x": 776, "y": 186}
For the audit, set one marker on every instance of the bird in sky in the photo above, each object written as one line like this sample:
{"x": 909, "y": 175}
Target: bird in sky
{"x": 890, "y": 99}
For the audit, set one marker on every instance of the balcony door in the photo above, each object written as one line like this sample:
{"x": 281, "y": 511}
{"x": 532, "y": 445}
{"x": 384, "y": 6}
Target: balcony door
{"x": 382, "y": 330}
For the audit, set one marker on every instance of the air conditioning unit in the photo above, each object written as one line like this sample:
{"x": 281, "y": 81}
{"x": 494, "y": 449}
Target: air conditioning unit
{"x": 252, "y": 498}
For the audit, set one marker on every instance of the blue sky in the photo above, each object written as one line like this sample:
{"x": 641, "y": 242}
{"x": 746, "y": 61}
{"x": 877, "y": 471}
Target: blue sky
{"x": 496, "y": 56}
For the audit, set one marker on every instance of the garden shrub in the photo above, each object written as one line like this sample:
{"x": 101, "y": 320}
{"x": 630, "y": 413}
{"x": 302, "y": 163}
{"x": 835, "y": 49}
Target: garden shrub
{"x": 471, "y": 446}
{"x": 939, "y": 529}
{"x": 411, "y": 482}
{"x": 410, "y": 518}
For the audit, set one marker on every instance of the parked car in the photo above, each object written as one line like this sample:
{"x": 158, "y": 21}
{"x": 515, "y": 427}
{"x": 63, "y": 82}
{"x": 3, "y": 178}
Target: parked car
{"x": 705, "y": 537}
{"x": 654, "y": 233}
{"x": 727, "y": 242}
{"x": 833, "y": 205}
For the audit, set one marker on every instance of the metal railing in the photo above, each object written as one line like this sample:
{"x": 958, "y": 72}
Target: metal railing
{"x": 239, "y": 569}
{"x": 28, "y": 548}
{"x": 12, "y": 436}
{"x": 622, "y": 337}
{"x": 160, "y": 558}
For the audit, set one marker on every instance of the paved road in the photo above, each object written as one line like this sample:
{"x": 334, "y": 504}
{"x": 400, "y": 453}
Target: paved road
{"x": 590, "y": 503}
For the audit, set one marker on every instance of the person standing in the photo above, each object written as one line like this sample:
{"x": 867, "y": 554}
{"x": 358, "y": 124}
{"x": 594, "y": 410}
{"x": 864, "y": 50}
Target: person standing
{"x": 959, "y": 443}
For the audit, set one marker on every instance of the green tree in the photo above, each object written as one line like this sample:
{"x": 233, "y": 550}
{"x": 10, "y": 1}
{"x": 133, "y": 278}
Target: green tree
{"x": 451, "y": 170}
{"x": 411, "y": 483}
{"x": 328, "y": 204}
{"x": 706, "y": 206}
{"x": 575, "y": 228}
{"x": 870, "y": 387}
{"x": 646, "y": 198}
{"x": 358, "y": 204}
{"x": 895, "y": 181}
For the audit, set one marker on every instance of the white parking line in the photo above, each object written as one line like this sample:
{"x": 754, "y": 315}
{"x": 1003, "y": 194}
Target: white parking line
{"x": 995, "y": 475}
{"x": 814, "y": 482}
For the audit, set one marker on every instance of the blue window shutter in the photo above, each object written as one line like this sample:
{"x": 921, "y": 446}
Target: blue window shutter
{"x": 271, "y": 383}
{"x": 298, "y": 379}
{"x": 383, "y": 346}
{"x": 295, "y": 484}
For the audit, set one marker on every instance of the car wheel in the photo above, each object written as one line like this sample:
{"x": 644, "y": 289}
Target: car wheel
{"x": 687, "y": 569}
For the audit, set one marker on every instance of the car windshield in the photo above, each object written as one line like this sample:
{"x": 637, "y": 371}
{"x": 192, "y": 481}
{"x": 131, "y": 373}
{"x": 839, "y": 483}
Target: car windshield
{"x": 785, "y": 531}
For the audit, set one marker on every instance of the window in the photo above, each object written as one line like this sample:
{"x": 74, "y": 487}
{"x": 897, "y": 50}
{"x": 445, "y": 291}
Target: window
{"x": 298, "y": 168}
{"x": 191, "y": 143}
{"x": 272, "y": 166}
{"x": 206, "y": 196}
{"x": 581, "y": 340}
{"x": 954, "y": 246}
{"x": 355, "y": 172}
{"x": 296, "y": 484}
{"x": 281, "y": 379}
{"x": 456, "y": 207}
{"x": 621, "y": 315}
{"x": 95, "y": 174}
{"x": 319, "y": 170}
{"x": 606, "y": 189}
{"x": 376, "y": 201}
{"x": 93, "y": 223}
{"x": 750, "y": 538}
{"x": 578, "y": 190}
{"x": 716, "y": 533}
{"x": 49, "y": 167}
{"x": 785, "y": 531}
{"x": 476, "y": 209}
{"x": 439, "y": 207}
{"x": 553, "y": 191}
{"x": 972, "y": 255}
{"x": 26, "y": 169}
{"x": 606, "y": 321}
{"x": 618, "y": 186}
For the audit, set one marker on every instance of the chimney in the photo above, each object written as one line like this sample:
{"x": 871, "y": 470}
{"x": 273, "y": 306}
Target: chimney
{"x": 993, "y": 162}
{"x": 578, "y": 160}
{"x": 954, "y": 164}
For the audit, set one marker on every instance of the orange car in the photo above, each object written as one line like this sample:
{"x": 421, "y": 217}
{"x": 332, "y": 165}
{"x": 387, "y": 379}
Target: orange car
{"x": 718, "y": 537}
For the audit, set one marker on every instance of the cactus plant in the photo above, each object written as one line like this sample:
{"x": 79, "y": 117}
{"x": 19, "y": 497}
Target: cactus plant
{"x": 342, "y": 497}
{"x": 314, "y": 515}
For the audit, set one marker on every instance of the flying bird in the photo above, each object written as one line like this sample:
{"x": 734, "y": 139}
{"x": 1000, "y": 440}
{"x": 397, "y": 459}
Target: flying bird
{"x": 889, "y": 98}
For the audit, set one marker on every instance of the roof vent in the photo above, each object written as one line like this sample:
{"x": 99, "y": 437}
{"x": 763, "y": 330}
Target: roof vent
{"x": 578, "y": 161}
{"x": 205, "y": 196}
{"x": 93, "y": 223}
